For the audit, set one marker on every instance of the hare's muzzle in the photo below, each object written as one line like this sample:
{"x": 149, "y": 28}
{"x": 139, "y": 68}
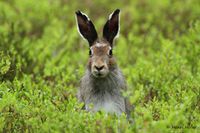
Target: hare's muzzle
{"x": 99, "y": 70}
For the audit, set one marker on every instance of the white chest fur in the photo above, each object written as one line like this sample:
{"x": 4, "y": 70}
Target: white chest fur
{"x": 107, "y": 103}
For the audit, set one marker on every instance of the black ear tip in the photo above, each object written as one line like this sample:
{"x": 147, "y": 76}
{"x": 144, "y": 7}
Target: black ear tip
{"x": 117, "y": 11}
{"x": 78, "y": 12}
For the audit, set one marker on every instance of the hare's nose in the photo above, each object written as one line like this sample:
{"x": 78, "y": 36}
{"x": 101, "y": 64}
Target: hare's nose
{"x": 99, "y": 68}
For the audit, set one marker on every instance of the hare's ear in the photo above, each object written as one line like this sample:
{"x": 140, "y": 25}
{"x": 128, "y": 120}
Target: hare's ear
{"x": 111, "y": 28}
{"x": 86, "y": 27}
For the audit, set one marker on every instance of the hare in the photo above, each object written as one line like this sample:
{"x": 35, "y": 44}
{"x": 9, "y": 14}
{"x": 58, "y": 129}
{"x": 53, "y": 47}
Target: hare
{"x": 103, "y": 82}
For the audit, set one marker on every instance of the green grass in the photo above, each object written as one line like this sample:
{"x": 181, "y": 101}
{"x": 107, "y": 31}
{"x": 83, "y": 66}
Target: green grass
{"x": 42, "y": 58}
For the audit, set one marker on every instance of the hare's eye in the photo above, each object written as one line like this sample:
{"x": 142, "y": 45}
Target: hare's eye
{"x": 90, "y": 52}
{"x": 110, "y": 52}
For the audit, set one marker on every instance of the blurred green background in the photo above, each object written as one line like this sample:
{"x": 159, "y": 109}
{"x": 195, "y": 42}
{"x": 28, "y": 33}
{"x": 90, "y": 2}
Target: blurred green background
{"x": 43, "y": 57}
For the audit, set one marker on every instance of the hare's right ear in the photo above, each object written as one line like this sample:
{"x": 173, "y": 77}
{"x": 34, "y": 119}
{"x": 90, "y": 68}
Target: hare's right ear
{"x": 86, "y": 27}
{"x": 111, "y": 28}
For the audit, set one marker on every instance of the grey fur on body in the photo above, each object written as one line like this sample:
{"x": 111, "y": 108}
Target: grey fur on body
{"x": 104, "y": 93}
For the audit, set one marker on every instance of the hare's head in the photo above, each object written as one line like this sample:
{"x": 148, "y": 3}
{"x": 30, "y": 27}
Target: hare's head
{"x": 101, "y": 60}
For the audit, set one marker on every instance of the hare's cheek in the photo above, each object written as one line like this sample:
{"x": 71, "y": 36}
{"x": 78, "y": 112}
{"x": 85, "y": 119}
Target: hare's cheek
{"x": 92, "y": 67}
{"x": 106, "y": 67}
{"x": 112, "y": 63}
{"x": 90, "y": 64}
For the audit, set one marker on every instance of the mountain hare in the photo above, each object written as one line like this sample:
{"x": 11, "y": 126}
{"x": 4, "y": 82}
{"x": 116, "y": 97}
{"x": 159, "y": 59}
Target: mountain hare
{"x": 103, "y": 82}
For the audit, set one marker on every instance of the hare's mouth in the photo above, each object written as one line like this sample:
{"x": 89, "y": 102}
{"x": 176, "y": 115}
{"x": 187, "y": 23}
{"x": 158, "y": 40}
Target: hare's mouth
{"x": 99, "y": 74}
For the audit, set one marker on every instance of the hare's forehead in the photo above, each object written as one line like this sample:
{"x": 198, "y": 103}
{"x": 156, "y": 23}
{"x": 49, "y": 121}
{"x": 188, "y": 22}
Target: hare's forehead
{"x": 99, "y": 45}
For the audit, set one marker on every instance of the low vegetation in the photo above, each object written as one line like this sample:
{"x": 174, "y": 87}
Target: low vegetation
{"x": 42, "y": 58}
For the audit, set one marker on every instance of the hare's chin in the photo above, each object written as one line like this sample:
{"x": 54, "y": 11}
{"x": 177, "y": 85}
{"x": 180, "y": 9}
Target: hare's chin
{"x": 99, "y": 75}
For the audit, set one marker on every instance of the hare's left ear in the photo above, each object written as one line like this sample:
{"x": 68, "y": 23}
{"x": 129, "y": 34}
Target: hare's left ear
{"x": 111, "y": 28}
